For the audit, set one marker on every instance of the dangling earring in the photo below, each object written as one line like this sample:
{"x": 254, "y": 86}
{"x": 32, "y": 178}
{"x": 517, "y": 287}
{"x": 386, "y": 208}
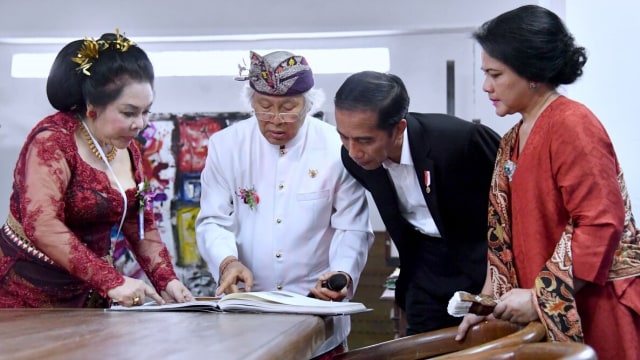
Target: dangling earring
{"x": 533, "y": 86}
{"x": 91, "y": 114}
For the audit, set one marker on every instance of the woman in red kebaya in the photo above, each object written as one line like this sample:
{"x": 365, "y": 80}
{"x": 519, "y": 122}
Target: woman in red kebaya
{"x": 78, "y": 176}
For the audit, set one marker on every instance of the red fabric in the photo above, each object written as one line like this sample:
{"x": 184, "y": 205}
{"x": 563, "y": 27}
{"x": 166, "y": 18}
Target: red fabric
{"x": 610, "y": 319}
{"x": 67, "y": 210}
{"x": 567, "y": 169}
{"x": 567, "y": 187}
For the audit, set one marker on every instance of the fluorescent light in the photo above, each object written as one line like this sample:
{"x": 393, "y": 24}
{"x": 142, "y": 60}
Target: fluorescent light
{"x": 215, "y": 38}
{"x": 31, "y": 65}
{"x": 224, "y": 63}
{"x": 252, "y": 37}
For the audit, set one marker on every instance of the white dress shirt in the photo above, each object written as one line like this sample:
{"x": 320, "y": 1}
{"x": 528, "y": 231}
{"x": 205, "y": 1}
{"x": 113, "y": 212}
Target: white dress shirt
{"x": 312, "y": 216}
{"x": 413, "y": 207}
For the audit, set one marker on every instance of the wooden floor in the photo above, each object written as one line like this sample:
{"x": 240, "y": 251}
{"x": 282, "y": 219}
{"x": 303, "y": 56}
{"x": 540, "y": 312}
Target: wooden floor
{"x": 375, "y": 326}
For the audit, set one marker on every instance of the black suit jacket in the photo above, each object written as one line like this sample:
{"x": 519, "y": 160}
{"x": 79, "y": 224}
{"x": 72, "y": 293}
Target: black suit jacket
{"x": 460, "y": 156}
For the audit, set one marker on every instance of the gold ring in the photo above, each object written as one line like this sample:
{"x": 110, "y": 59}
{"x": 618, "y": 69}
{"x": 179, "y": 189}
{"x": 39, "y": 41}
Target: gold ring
{"x": 136, "y": 300}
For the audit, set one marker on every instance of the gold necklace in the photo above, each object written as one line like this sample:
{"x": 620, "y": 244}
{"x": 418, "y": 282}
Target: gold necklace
{"x": 110, "y": 156}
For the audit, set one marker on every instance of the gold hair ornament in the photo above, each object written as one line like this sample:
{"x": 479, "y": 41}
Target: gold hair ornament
{"x": 91, "y": 48}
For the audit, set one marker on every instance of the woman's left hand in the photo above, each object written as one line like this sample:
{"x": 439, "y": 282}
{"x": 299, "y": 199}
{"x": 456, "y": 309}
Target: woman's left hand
{"x": 176, "y": 292}
{"x": 517, "y": 305}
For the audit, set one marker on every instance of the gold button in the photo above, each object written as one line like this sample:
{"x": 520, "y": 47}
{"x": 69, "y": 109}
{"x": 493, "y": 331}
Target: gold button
{"x": 278, "y": 255}
{"x": 281, "y": 186}
{"x": 279, "y": 287}
{"x": 278, "y": 220}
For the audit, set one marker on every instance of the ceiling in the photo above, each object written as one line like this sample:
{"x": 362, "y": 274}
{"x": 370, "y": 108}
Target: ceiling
{"x": 185, "y": 18}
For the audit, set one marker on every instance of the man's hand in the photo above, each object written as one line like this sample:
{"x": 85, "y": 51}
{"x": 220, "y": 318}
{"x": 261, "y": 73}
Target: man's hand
{"x": 234, "y": 273}
{"x": 323, "y": 293}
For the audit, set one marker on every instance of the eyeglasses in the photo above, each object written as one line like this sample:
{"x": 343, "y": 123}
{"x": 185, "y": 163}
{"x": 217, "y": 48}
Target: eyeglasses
{"x": 285, "y": 117}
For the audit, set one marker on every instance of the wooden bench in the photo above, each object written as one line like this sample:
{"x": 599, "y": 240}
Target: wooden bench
{"x": 537, "y": 351}
{"x": 484, "y": 336}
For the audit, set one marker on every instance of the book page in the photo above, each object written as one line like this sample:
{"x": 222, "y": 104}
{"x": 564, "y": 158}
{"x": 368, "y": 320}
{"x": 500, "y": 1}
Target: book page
{"x": 198, "y": 304}
{"x": 256, "y": 302}
{"x": 286, "y": 302}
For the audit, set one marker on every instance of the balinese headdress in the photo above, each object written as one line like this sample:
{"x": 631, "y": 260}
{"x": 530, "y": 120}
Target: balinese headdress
{"x": 91, "y": 48}
{"x": 279, "y": 73}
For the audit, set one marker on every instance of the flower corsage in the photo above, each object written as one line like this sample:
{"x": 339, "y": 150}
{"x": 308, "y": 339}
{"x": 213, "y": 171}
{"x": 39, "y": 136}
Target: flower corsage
{"x": 249, "y": 197}
{"x": 146, "y": 195}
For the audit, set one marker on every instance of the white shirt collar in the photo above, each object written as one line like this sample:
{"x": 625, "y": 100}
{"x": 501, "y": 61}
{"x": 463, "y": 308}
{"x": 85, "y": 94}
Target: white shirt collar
{"x": 405, "y": 154}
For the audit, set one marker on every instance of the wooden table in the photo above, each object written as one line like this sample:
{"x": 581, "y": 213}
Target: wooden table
{"x": 99, "y": 334}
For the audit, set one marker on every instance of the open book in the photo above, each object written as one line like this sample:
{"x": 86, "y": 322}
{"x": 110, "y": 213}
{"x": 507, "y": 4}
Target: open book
{"x": 257, "y": 302}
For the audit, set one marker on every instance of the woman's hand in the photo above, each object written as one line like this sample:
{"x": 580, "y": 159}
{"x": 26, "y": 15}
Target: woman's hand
{"x": 176, "y": 292}
{"x": 133, "y": 292}
{"x": 466, "y": 324}
{"x": 517, "y": 305}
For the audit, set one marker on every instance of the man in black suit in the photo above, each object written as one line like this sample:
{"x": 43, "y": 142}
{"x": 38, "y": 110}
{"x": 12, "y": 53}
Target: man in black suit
{"x": 429, "y": 176}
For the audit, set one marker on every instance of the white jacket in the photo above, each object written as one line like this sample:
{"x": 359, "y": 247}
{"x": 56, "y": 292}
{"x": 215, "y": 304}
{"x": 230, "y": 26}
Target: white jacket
{"x": 312, "y": 216}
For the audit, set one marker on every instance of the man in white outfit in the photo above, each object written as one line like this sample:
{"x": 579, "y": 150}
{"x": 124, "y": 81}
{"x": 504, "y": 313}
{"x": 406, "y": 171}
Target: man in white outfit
{"x": 278, "y": 209}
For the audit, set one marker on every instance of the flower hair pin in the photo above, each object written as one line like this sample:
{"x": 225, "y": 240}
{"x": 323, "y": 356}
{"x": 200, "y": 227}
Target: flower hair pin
{"x": 146, "y": 196}
{"x": 249, "y": 197}
{"x": 91, "y": 48}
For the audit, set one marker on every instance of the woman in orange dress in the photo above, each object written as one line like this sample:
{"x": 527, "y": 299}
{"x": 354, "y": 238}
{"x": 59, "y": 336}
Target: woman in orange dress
{"x": 563, "y": 245}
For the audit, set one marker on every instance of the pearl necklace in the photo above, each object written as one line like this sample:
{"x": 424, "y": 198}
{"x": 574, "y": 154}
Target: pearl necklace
{"x": 110, "y": 156}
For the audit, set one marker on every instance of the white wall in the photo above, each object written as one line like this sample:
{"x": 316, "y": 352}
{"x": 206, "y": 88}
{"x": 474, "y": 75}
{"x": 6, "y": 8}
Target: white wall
{"x": 609, "y": 87}
{"x": 73, "y": 18}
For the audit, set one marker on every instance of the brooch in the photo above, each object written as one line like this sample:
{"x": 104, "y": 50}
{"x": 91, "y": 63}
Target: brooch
{"x": 509, "y": 169}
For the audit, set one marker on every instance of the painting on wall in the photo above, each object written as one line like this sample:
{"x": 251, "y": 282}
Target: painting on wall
{"x": 174, "y": 149}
